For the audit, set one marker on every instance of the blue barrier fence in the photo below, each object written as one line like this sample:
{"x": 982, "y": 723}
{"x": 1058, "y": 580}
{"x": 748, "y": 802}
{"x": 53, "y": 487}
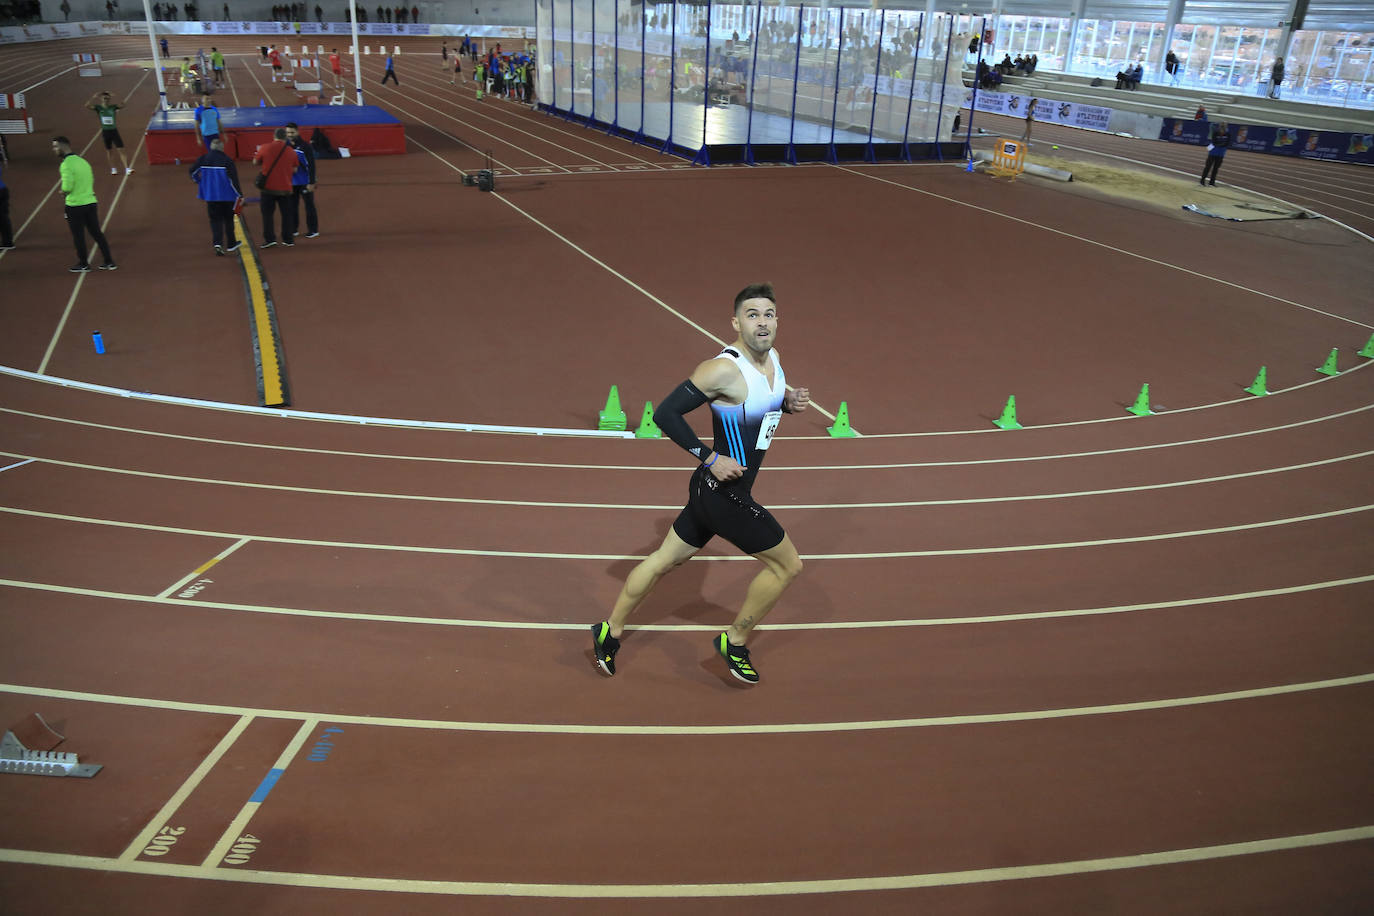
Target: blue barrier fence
{"x": 744, "y": 80}
{"x": 1279, "y": 141}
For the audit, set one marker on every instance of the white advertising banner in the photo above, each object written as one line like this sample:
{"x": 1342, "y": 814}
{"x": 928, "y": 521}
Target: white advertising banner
{"x": 1071, "y": 114}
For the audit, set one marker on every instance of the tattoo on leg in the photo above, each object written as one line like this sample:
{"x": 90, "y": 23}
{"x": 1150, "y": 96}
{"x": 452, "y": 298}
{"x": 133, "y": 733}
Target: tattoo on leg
{"x": 745, "y": 625}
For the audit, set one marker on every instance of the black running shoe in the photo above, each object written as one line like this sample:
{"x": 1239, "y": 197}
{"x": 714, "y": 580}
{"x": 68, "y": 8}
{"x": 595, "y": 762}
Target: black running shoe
{"x": 109, "y": 265}
{"x": 80, "y": 268}
{"x": 737, "y": 659}
{"x": 605, "y": 646}
{"x": 235, "y": 246}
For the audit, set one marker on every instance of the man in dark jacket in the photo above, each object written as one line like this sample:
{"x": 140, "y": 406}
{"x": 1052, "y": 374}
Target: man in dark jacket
{"x": 1216, "y": 149}
{"x": 303, "y": 182}
{"x": 218, "y": 181}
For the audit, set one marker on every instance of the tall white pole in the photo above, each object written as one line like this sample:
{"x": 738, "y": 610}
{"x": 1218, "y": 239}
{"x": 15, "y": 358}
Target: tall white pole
{"x": 357, "y": 64}
{"x": 157, "y": 58}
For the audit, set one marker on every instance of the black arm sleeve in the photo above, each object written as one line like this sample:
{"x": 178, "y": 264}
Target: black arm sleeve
{"x": 684, "y": 399}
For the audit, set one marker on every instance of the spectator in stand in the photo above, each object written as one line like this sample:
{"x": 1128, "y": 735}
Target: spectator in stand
{"x": 1276, "y": 77}
{"x": 278, "y": 163}
{"x": 1200, "y": 114}
{"x": 217, "y": 179}
{"x": 1171, "y": 67}
{"x": 1216, "y": 150}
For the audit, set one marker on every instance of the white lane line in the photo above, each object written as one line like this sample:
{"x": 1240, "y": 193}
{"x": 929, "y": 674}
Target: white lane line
{"x": 492, "y": 136}
{"x": 695, "y": 891}
{"x": 1097, "y": 244}
{"x": 160, "y": 820}
{"x": 677, "y": 467}
{"x": 553, "y": 504}
{"x": 313, "y": 415}
{"x": 17, "y": 464}
{"x": 763, "y": 728}
{"x": 175, "y": 586}
{"x": 687, "y": 627}
{"x": 727, "y": 558}
{"x": 236, "y": 826}
{"x": 611, "y": 270}
{"x": 81, "y": 278}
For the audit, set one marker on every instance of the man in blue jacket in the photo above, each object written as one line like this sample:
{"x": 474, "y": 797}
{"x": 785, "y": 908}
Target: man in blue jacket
{"x": 303, "y": 181}
{"x": 218, "y": 181}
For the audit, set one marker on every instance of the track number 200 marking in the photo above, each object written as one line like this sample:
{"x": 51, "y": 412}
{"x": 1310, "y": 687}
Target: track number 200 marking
{"x": 162, "y": 844}
{"x": 242, "y": 850}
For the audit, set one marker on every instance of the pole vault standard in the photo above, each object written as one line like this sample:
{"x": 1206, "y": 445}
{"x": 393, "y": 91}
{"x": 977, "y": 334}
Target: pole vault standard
{"x": 357, "y": 65}
{"x": 157, "y": 59}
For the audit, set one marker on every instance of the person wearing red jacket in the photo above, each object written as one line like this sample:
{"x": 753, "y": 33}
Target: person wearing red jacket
{"x": 277, "y": 161}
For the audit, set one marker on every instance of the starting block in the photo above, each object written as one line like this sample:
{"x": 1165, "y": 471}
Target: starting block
{"x": 1008, "y": 159}
{"x": 15, "y": 757}
{"x": 88, "y": 65}
{"x": 14, "y": 114}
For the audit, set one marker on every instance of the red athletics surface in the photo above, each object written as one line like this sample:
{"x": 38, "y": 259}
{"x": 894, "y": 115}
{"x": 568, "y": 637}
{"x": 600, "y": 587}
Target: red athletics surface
{"x": 1103, "y": 664}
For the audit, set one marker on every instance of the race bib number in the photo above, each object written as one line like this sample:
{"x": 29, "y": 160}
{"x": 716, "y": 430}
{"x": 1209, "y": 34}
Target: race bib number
{"x": 767, "y": 428}
{"x": 107, "y": 120}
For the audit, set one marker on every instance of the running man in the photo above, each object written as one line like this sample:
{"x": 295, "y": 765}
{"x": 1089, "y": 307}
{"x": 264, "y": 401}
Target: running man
{"x": 748, "y": 394}
{"x": 105, "y": 107}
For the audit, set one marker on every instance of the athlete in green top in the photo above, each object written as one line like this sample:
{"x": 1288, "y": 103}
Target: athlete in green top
{"x": 217, "y": 65}
{"x": 105, "y": 107}
{"x": 78, "y": 183}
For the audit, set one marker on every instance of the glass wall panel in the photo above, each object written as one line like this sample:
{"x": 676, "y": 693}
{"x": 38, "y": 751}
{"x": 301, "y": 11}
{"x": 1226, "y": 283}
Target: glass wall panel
{"x": 777, "y": 63}
{"x": 1330, "y": 67}
{"x": 602, "y": 26}
{"x": 689, "y": 73}
{"x": 544, "y": 51}
{"x": 629, "y": 35}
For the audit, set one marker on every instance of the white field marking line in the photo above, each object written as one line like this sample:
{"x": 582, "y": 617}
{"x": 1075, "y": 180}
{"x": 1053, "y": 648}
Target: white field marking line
{"x": 145, "y": 836}
{"x": 1286, "y": 203}
{"x": 468, "y": 623}
{"x": 81, "y": 278}
{"x": 762, "y": 728}
{"x": 250, "y": 808}
{"x": 511, "y": 125}
{"x": 604, "y": 266}
{"x": 17, "y": 464}
{"x": 229, "y": 79}
{"x": 652, "y": 298}
{"x": 729, "y": 558}
{"x": 551, "y": 504}
{"x": 479, "y": 130}
{"x": 481, "y": 111}
{"x": 312, "y": 415}
{"x": 696, "y": 891}
{"x": 677, "y": 467}
{"x": 1097, "y": 244}
{"x": 175, "y": 586}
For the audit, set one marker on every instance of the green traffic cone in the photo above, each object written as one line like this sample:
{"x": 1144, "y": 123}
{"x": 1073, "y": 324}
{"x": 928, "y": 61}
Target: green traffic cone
{"x": 1008, "y": 418}
{"x": 1329, "y": 367}
{"x": 648, "y": 429}
{"x": 1259, "y": 386}
{"x": 1141, "y": 407}
{"x": 612, "y": 416}
{"x": 841, "y": 429}
{"x": 1368, "y": 350}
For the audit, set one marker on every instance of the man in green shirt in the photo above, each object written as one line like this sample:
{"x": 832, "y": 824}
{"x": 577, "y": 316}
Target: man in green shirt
{"x": 217, "y": 65}
{"x": 78, "y": 184}
{"x": 105, "y": 107}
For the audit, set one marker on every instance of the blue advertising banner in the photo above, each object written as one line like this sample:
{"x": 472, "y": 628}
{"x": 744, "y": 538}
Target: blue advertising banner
{"x": 1277, "y": 141}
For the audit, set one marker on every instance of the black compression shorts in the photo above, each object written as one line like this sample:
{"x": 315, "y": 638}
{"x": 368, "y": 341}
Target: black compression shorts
{"x": 112, "y": 139}
{"x": 714, "y": 508}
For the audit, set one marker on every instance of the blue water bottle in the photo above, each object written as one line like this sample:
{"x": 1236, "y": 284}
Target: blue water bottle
{"x": 99, "y": 342}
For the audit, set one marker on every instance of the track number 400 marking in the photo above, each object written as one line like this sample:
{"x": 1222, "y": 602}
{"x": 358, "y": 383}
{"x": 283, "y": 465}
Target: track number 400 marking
{"x": 162, "y": 844}
{"x": 242, "y": 850}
